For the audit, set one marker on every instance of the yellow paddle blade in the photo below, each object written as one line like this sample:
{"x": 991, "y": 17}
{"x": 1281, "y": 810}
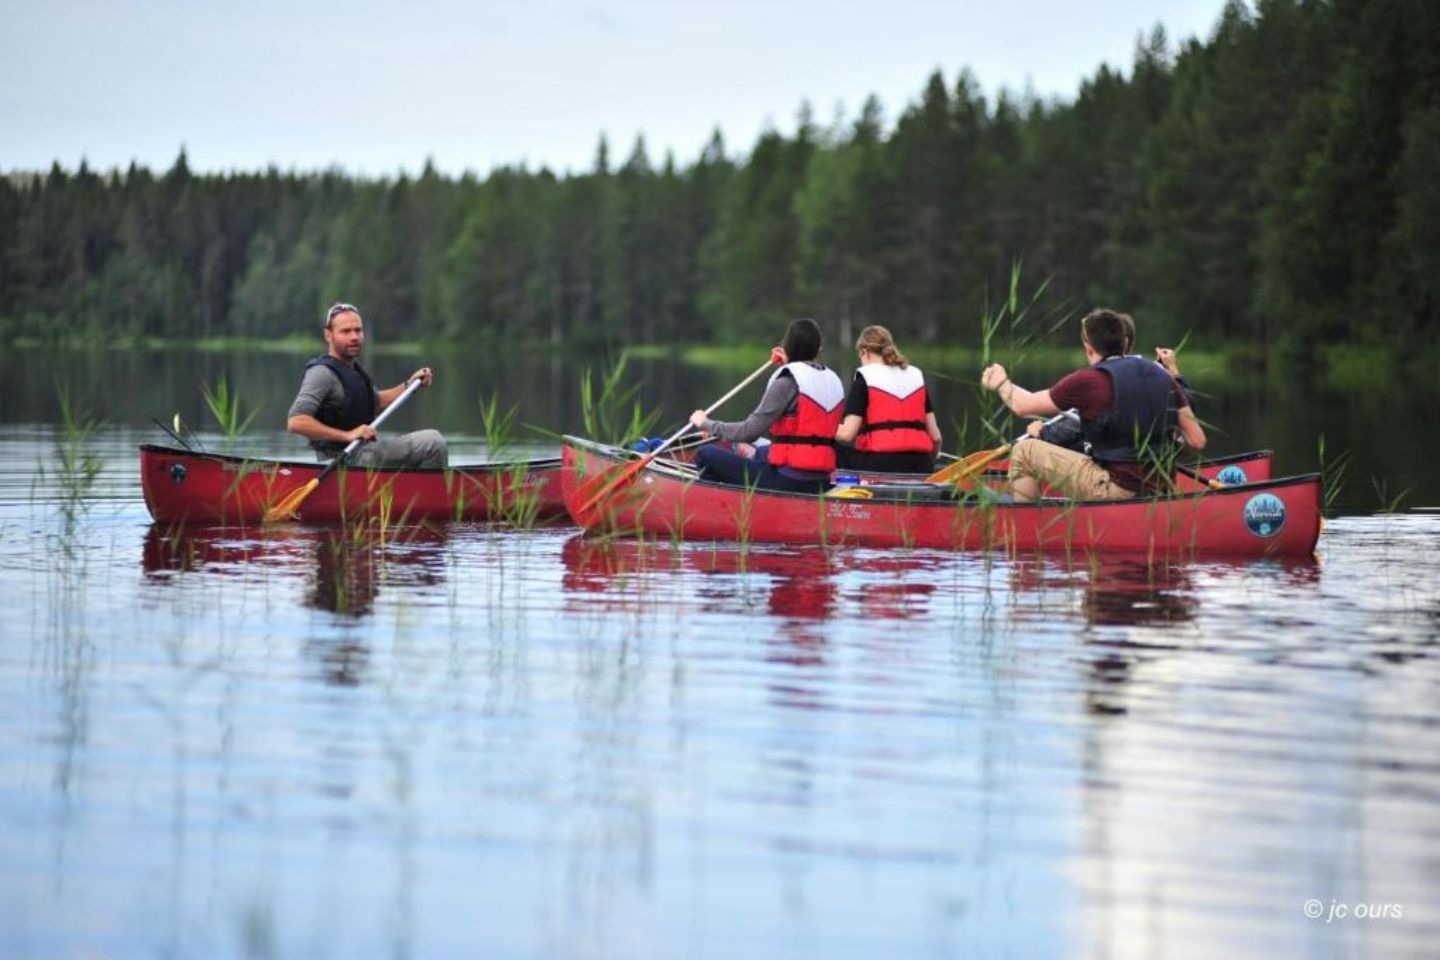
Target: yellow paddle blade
{"x": 962, "y": 471}
{"x": 851, "y": 493}
{"x": 290, "y": 503}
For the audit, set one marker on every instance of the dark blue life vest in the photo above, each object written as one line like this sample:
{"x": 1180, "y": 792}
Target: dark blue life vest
{"x": 1145, "y": 411}
{"x": 359, "y": 405}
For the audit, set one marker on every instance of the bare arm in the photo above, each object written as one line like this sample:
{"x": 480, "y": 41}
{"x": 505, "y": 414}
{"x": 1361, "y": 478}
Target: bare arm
{"x": 777, "y": 399}
{"x": 311, "y": 429}
{"x": 1022, "y": 402}
{"x": 850, "y": 429}
{"x": 1190, "y": 429}
{"x": 383, "y": 398}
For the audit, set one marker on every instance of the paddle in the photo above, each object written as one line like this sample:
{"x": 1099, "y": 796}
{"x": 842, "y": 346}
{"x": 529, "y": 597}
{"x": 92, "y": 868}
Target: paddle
{"x": 290, "y": 503}
{"x": 964, "y": 469}
{"x": 1199, "y": 477}
{"x": 604, "y": 485}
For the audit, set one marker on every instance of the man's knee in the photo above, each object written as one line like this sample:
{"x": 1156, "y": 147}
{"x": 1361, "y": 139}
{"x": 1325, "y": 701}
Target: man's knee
{"x": 428, "y": 449}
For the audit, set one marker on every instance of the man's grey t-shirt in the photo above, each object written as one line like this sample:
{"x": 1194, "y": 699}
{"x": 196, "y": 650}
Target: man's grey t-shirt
{"x": 319, "y": 387}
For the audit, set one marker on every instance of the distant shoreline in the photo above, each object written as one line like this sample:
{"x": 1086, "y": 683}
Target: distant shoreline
{"x": 1343, "y": 363}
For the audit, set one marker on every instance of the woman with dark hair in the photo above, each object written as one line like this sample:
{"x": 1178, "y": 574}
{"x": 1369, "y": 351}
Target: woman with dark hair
{"x": 801, "y": 410}
{"x": 889, "y": 416}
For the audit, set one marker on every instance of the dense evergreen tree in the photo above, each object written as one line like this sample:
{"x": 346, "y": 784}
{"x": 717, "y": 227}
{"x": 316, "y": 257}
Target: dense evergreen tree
{"x": 1272, "y": 183}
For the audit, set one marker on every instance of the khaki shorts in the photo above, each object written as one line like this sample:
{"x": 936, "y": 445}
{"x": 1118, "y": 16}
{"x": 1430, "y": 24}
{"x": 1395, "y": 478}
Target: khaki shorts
{"x": 1067, "y": 471}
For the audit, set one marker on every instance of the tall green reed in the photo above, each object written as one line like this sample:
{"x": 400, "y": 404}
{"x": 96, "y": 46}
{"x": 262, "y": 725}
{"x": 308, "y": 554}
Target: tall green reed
{"x": 1015, "y": 322}
{"x": 512, "y": 496}
{"x": 224, "y": 406}
{"x": 77, "y": 466}
{"x": 611, "y": 408}
{"x": 1333, "y": 473}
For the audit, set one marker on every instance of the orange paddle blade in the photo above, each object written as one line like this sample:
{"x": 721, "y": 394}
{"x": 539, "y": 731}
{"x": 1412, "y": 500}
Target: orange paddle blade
{"x": 595, "y": 493}
{"x": 289, "y": 504}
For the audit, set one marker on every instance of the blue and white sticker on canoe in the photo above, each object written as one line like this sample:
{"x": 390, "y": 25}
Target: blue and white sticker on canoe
{"x": 1232, "y": 475}
{"x": 1265, "y": 514}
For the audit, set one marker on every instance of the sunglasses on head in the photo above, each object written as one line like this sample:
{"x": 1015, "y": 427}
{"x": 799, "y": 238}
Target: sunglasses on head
{"x": 338, "y": 309}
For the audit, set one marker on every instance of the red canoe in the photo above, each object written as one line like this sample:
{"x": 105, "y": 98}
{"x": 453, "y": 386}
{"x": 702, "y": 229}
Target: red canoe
{"x": 182, "y": 486}
{"x": 1271, "y": 518}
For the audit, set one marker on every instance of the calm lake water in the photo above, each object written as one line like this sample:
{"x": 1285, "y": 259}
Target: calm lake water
{"x": 473, "y": 741}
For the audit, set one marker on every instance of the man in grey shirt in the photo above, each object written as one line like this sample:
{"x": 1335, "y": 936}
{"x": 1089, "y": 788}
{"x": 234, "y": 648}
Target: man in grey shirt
{"x": 338, "y": 401}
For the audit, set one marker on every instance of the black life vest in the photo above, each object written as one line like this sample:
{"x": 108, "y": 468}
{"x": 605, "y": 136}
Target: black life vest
{"x": 1141, "y": 418}
{"x": 360, "y": 402}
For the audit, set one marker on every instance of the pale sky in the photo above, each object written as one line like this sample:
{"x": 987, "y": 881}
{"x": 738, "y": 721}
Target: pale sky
{"x": 378, "y": 87}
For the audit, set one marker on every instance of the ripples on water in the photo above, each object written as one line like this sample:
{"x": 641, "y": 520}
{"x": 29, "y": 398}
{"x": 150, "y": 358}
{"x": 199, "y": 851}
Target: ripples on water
{"x": 475, "y": 742}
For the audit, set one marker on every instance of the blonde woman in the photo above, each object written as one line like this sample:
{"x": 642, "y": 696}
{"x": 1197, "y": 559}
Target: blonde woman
{"x": 889, "y": 416}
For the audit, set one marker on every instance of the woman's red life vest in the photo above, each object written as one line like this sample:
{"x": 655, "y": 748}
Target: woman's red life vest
{"x": 804, "y": 437}
{"x": 894, "y": 411}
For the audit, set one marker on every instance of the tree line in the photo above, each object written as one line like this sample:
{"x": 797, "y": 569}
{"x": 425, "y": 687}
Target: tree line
{"x": 1274, "y": 183}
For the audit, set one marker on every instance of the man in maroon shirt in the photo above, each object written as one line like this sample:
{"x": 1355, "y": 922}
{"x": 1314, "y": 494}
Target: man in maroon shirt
{"x": 1129, "y": 408}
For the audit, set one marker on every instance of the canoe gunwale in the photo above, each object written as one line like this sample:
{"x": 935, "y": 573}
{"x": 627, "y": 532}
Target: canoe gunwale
{"x": 262, "y": 463}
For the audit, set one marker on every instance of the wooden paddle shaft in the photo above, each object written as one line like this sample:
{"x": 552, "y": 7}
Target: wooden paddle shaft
{"x": 714, "y": 406}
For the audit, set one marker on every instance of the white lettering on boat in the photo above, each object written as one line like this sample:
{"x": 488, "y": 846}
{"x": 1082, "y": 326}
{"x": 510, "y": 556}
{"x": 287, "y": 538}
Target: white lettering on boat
{"x": 852, "y": 510}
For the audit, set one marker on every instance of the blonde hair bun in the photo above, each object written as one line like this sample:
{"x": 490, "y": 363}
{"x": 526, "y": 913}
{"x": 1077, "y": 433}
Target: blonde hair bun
{"x": 877, "y": 340}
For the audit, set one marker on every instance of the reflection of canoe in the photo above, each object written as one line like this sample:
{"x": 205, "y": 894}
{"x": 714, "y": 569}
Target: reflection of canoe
{"x": 342, "y": 566}
{"x": 1277, "y": 517}
{"x": 185, "y": 487}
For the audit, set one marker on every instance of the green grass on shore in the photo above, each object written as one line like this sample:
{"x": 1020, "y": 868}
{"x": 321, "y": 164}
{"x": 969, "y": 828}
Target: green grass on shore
{"x": 1343, "y": 365}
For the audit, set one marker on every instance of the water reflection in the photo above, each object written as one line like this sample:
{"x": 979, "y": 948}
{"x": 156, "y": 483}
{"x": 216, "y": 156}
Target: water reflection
{"x": 897, "y": 586}
{"x": 801, "y": 583}
{"x": 1132, "y": 592}
{"x": 802, "y": 580}
{"x": 346, "y": 565}
{"x": 342, "y": 569}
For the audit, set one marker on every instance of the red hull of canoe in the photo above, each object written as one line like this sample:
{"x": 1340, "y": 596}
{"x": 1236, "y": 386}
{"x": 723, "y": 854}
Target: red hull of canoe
{"x": 181, "y": 486}
{"x": 1273, "y": 518}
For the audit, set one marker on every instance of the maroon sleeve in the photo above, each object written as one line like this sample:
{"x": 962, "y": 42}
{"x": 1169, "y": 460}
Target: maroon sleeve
{"x": 1088, "y": 391}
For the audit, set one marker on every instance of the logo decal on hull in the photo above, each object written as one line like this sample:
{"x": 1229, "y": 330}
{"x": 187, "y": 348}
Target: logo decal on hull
{"x": 1232, "y": 475}
{"x": 1265, "y": 514}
